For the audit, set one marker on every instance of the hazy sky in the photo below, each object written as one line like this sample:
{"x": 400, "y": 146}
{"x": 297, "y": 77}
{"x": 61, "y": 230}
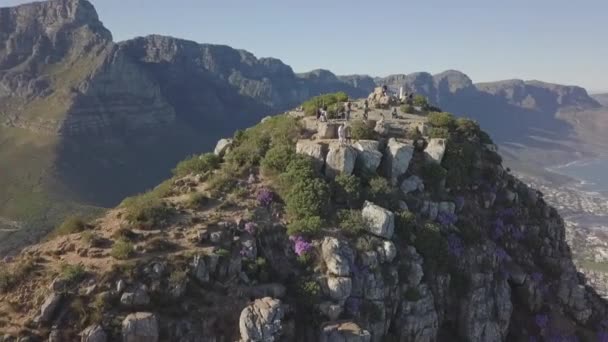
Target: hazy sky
{"x": 551, "y": 40}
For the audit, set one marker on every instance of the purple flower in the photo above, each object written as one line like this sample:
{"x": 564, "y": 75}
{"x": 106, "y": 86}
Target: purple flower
{"x": 265, "y": 197}
{"x": 446, "y": 219}
{"x": 250, "y": 227}
{"x": 455, "y": 246}
{"x": 300, "y": 246}
{"x": 541, "y": 321}
{"x": 537, "y": 277}
{"x": 501, "y": 255}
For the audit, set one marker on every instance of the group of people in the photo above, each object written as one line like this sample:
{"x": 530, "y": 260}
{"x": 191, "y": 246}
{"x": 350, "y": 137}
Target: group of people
{"x": 344, "y": 113}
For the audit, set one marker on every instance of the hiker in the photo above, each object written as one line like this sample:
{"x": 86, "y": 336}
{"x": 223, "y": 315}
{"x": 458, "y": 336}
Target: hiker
{"x": 384, "y": 90}
{"x": 394, "y": 113}
{"x": 323, "y": 116}
{"x": 347, "y": 107}
{"x": 318, "y": 113}
{"x": 342, "y": 134}
{"x": 365, "y": 109}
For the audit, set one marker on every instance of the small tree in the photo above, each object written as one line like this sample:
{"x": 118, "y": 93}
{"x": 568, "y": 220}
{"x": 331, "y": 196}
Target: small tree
{"x": 421, "y": 101}
{"x": 360, "y": 130}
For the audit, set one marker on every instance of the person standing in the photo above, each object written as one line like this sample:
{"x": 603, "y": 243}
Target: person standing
{"x": 342, "y": 134}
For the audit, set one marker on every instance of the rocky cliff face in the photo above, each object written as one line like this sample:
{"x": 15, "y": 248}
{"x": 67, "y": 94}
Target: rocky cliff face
{"x": 377, "y": 239}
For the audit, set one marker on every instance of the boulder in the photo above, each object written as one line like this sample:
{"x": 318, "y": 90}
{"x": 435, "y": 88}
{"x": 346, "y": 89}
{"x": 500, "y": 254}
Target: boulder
{"x": 49, "y": 307}
{"x": 261, "y": 320}
{"x": 368, "y": 156}
{"x": 381, "y": 221}
{"x": 222, "y": 147}
{"x": 397, "y": 159}
{"x": 137, "y": 298}
{"x": 435, "y": 150}
{"x": 337, "y": 255}
{"x": 339, "y": 288}
{"x": 93, "y": 333}
{"x": 199, "y": 269}
{"x": 344, "y": 331}
{"x": 418, "y": 320}
{"x": 328, "y": 130}
{"x": 340, "y": 159}
{"x": 411, "y": 184}
{"x": 331, "y": 310}
{"x": 313, "y": 149}
{"x": 140, "y": 327}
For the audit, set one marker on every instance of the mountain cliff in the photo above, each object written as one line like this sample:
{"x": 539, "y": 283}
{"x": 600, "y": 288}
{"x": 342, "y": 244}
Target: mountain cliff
{"x": 288, "y": 234}
{"x": 86, "y": 120}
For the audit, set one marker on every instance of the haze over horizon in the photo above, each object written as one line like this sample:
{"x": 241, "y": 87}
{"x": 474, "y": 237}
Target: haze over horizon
{"x": 546, "y": 40}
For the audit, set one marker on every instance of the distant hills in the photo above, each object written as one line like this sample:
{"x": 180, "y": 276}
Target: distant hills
{"x": 86, "y": 120}
{"x": 601, "y": 98}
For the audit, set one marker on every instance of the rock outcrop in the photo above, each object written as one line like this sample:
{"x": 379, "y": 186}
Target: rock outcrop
{"x": 397, "y": 159}
{"x": 140, "y": 327}
{"x": 261, "y": 321}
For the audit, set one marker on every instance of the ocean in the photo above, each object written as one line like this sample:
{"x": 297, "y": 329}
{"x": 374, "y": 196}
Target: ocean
{"x": 593, "y": 174}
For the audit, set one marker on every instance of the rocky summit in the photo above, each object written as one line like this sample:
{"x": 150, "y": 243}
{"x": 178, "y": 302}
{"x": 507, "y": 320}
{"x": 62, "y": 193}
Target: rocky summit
{"x": 397, "y": 224}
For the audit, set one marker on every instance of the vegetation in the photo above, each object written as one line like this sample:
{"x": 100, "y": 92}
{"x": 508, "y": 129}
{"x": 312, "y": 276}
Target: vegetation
{"x": 433, "y": 247}
{"x": 123, "y": 249}
{"x": 459, "y": 161}
{"x": 309, "y": 225}
{"x": 347, "y": 187}
{"x": 148, "y": 209}
{"x": 330, "y": 100}
{"x": 15, "y": 274}
{"x": 72, "y": 273}
{"x": 420, "y": 101}
{"x": 277, "y": 159}
{"x": 433, "y": 175}
{"x": 197, "y": 200}
{"x": 310, "y": 291}
{"x": 360, "y": 130}
{"x": 405, "y": 224}
{"x": 407, "y": 109}
{"x": 439, "y": 132}
{"x": 160, "y": 244}
{"x": 197, "y": 164}
{"x": 351, "y": 221}
{"x": 380, "y": 191}
{"x": 441, "y": 119}
{"x": 71, "y": 225}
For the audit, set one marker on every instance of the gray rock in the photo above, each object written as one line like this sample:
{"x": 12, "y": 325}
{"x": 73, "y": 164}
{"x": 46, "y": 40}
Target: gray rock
{"x": 331, "y": 310}
{"x": 397, "y": 159}
{"x": 340, "y": 160}
{"x": 390, "y": 251}
{"x": 339, "y": 288}
{"x": 313, "y": 149}
{"x": 261, "y": 320}
{"x": 382, "y": 127}
{"x": 343, "y": 331}
{"x": 381, "y": 221}
{"x": 121, "y": 285}
{"x": 368, "y": 156}
{"x": 328, "y": 130}
{"x": 222, "y": 146}
{"x": 137, "y": 298}
{"x": 93, "y": 333}
{"x": 435, "y": 150}
{"x": 49, "y": 307}
{"x": 418, "y": 320}
{"x": 216, "y": 237}
{"x": 140, "y": 327}
{"x": 199, "y": 269}
{"x": 411, "y": 184}
{"x": 337, "y": 255}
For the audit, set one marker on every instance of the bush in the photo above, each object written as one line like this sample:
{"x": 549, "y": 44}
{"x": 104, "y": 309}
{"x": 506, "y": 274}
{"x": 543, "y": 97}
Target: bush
{"x": 221, "y": 183}
{"x": 277, "y": 159}
{"x": 351, "y": 221}
{"x": 197, "y": 164}
{"x": 307, "y": 198}
{"x": 11, "y": 276}
{"x": 71, "y": 225}
{"x": 310, "y": 107}
{"x": 407, "y": 109}
{"x": 381, "y": 192}
{"x": 148, "y": 209}
{"x": 433, "y": 174}
{"x": 91, "y": 238}
{"x": 307, "y": 226}
{"x": 459, "y": 161}
{"x": 405, "y": 224}
{"x": 413, "y": 134}
{"x": 197, "y": 200}
{"x": 420, "y": 101}
{"x": 348, "y": 187}
{"x": 441, "y": 119}
{"x": 123, "y": 249}
{"x": 433, "y": 247}
{"x": 439, "y": 132}
{"x": 72, "y": 273}
{"x": 360, "y": 130}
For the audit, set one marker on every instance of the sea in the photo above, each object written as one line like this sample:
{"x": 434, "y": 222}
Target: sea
{"x": 592, "y": 174}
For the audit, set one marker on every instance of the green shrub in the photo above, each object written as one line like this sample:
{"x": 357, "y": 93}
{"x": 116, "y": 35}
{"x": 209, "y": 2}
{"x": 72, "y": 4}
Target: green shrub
{"x": 310, "y": 291}
{"x": 197, "y": 164}
{"x": 360, "y": 130}
{"x": 71, "y": 225}
{"x": 459, "y": 161}
{"x": 12, "y": 275}
{"x": 420, "y": 101}
{"x": 441, "y": 119}
{"x": 72, "y": 273}
{"x": 405, "y": 224}
{"x": 413, "y": 134}
{"x": 310, "y": 107}
{"x": 122, "y": 249}
{"x": 432, "y": 246}
{"x": 381, "y": 192}
{"x": 197, "y": 200}
{"x": 407, "y": 109}
{"x": 439, "y": 132}
{"x": 277, "y": 159}
{"x": 221, "y": 183}
{"x": 148, "y": 209}
{"x": 307, "y": 198}
{"x": 91, "y": 238}
{"x": 433, "y": 174}
{"x": 222, "y": 252}
{"x": 348, "y": 187}
{"x": 351, "y": 221}
{"x": 310, "y": 225}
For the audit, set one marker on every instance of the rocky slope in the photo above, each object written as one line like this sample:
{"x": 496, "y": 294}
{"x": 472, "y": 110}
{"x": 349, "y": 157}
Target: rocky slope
{"x": 92, "y": 121}
{"x": 288, "y": 234}
{"x": 601, "y": 98}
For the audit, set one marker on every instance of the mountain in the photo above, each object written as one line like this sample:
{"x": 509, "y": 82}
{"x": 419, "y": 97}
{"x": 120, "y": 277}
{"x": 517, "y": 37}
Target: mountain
{"x": 601, "y": 98}
{"x": 86, "y": 121}
{"x": 441, "y": 244}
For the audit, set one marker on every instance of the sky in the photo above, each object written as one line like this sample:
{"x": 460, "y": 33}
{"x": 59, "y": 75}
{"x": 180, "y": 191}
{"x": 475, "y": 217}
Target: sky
{"x": 560, "y": 41}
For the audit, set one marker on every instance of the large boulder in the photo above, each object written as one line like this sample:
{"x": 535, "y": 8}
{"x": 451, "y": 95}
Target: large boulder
{"x": 417, "y": 319}
{"x": 381, "y": 222}
{"x": 49, "y": 307}
{"x": 340, "y": 159}
{"x": 93, "y": 333}
{"x": 435, "y": 150}
{"x": 328, "y": 130}
{"x": 343, "y": 331}
{"x": 261, "y": 320}
{"x": 397, "y": 159}
{"x": 222, "y": 147}
{"x": 139, "y": 297}
{"x": 368, "y": 156}
{"x": 313, "y": 149}
{"x": 338, "y": 256}
{"x": 339, "y": 288}
{"x": 411, "y": 184}
{"x": 140, "y": 327}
